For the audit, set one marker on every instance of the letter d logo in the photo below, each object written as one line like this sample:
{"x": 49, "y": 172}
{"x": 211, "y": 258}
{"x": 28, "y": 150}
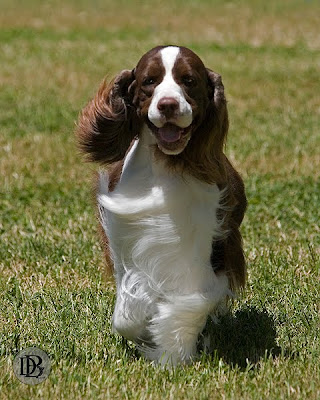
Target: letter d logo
{"x": 31, "y": 366}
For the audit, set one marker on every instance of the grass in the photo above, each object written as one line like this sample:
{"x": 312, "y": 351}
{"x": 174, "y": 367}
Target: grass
{"x": 54, "y": 291}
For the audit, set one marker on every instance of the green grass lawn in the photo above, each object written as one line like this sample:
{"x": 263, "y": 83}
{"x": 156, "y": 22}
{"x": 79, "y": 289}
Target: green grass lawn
{"x": 55, "y": 294}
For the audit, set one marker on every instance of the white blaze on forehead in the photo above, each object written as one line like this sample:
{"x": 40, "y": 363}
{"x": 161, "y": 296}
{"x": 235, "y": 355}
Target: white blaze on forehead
{"x": 168, "y": 57}
{"x": 169, "y": 88}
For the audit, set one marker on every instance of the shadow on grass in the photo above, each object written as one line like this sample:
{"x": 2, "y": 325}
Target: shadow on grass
{"x": 243, "y": 338}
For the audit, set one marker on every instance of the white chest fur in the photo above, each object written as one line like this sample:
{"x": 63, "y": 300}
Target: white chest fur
{"x": 160, "y": 229}
{"x": 162, "y": 224}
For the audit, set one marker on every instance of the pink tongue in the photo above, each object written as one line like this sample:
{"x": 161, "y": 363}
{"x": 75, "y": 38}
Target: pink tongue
{"x": 170, "y": 133}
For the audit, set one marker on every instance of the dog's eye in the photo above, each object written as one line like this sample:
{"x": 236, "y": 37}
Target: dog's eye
{"x": 188, "y": 80}
{"x": 148, "y": 81}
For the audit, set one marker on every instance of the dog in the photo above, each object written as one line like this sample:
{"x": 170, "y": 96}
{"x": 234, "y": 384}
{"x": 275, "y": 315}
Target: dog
{"x": 170, "y": 202}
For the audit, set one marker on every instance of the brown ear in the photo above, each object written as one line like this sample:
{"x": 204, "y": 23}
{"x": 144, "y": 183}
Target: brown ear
{"x": 217, "y": 97}
{"x": 109, "y": 123}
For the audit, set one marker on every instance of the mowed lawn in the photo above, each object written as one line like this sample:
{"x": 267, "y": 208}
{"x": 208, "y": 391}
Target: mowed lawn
{"x": 54, "y": 292}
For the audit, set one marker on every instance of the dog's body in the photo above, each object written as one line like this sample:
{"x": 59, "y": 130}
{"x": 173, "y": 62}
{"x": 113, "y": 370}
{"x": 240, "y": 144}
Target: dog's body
{"x": 171, "y": 204}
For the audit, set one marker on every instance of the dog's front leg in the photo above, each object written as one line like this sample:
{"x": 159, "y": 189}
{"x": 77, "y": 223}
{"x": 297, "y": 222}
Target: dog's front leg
{"x": 129, "y": 317}
{"x": 175, "y": 328}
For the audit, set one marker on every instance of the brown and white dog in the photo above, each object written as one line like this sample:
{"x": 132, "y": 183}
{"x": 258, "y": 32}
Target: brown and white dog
{"x": 170, "y": 202}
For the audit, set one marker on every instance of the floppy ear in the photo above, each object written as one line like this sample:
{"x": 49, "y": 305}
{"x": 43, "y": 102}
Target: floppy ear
{"x": 219, "y": 109}
{"x": 109, "y": 123}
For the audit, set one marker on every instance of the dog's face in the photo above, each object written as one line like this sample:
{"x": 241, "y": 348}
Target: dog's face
{"x": 171, "y": 92}
{"x": 181, "y": 102}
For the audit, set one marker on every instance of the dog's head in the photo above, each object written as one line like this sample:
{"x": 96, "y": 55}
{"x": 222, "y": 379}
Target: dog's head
{"x": 175, "y": 95}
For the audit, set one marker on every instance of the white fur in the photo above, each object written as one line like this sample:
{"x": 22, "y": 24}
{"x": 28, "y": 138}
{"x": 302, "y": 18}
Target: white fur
{"x": 169, "y": 88}
{"x": 160, "y": 229}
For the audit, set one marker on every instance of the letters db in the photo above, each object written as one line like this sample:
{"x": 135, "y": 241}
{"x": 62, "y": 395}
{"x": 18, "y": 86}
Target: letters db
{"x": 32, "y": 366}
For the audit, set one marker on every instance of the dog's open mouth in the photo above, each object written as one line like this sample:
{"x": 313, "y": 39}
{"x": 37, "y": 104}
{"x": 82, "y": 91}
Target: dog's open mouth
{"x": 170, "y": 137}
{"x": 171, "y": 133}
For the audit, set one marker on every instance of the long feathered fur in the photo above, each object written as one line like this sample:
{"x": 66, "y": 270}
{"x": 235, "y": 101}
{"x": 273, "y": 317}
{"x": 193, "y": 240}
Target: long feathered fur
{"x": 143, "y": 217}
{"x": 109, "y": 123}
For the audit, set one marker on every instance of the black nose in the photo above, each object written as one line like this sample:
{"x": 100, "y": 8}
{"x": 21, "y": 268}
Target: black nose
{"x": 168, "y": 106}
